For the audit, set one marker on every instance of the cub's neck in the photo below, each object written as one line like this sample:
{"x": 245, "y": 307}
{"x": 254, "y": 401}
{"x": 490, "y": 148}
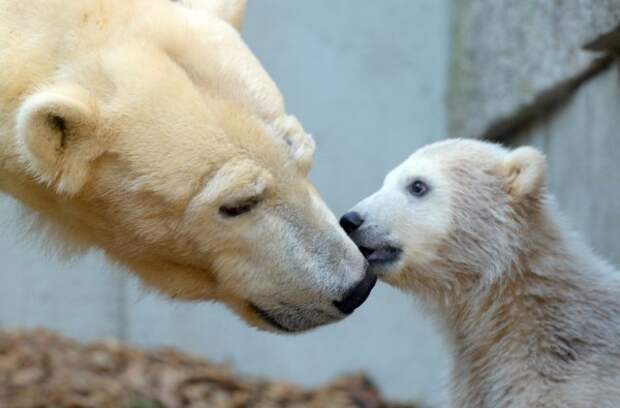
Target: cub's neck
{"x": 527, "y": 330}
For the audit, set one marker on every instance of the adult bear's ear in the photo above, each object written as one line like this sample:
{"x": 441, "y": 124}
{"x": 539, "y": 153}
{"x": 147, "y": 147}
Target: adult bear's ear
{"x": 300, "y": 145}
{"x": 56, "y": 136}
{"x": 523, "y": 172}
{"x": 231, "y": 11}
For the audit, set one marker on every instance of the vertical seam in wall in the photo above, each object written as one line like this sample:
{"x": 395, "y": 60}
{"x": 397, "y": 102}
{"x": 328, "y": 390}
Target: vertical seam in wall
{"x": 587, "y": 94}
{"x": 123, "y": 317}
{"x": 455, "y": 44}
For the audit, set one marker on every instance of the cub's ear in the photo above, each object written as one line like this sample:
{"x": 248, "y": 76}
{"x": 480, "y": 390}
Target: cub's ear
{"x": 56, "y": 136}
{"x": 231, "y": 11}
{"x": 523, "y": 171}
{"x": 300, "y": 145}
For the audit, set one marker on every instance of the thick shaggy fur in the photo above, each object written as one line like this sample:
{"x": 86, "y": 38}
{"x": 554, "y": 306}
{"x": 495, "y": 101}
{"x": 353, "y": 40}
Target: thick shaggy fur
{"x": 533, "y": 315}
{"x": 130, "y": 124}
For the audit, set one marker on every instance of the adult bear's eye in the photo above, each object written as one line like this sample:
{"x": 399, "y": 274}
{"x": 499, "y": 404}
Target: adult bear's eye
{"x": 418, "y": 188}
{"x": 238, "y": 209}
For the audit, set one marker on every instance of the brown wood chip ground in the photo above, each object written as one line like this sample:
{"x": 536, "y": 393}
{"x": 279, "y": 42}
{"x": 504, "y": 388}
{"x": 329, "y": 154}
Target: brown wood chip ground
{"x": 41, "y": 369}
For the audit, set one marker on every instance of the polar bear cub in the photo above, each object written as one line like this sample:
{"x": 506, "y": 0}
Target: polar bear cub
{"x": 532, "y": 314}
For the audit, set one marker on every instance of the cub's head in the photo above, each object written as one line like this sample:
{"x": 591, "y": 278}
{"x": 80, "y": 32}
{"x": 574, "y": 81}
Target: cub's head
{"x": 164, "y": 143}
{"x": 450, "y": 216}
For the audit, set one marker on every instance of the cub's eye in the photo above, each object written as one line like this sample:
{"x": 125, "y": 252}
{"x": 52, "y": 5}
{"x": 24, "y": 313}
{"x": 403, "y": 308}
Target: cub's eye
{"x": 418, "y": 188}
{"x": 237, "y": 209}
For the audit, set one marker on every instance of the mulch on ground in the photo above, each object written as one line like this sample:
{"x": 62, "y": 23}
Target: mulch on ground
{"x": 41, "y": 369}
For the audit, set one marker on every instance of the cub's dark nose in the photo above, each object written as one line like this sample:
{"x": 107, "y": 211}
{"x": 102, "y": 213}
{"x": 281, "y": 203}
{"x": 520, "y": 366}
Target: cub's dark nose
{"x": 351, "y": 221}
{"x": 355, "y": 296}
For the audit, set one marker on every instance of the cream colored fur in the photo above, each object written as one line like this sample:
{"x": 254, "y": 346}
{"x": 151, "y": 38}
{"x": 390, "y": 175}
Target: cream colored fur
{"x": 232, "y": 11}
{"x": 532, "y": 314}
{"x": 129, "y": 125}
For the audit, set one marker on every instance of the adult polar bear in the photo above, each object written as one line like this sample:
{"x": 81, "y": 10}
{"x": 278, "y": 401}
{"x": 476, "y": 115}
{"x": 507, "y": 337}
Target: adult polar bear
{"x": 148, "y": 129}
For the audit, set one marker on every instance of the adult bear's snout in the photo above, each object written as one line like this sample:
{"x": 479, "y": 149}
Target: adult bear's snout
{"x": 355, "y": 296}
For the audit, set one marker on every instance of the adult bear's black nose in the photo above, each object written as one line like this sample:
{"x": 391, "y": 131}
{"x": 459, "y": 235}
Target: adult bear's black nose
{"x": 357, "y": 294}
{"x": 351, "y": 221}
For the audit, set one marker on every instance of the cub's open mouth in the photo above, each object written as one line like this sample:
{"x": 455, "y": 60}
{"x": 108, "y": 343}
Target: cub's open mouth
{"x": 381, "y": 255}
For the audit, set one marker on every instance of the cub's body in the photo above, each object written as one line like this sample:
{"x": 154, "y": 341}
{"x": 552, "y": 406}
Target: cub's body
{"x": 533, "y": 315}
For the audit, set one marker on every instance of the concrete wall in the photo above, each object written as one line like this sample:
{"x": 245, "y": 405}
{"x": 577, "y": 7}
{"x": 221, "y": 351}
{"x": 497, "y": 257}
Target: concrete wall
{"x": 581, "y": 142}
{"x": 546, "y": 74}
{"x": 368, "y": 79}
{"x": 512, "y": 59}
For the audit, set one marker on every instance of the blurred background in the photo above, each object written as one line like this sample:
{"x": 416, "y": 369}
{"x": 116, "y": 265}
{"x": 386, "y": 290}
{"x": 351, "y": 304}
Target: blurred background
{"x": 373, "y": 81}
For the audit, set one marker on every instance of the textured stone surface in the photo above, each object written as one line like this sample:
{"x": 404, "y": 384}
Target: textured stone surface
{"x": 583, "y": 170}
{"x": 507, "y": 53}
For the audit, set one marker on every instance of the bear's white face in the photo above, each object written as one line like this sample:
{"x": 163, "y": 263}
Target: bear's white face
{"x": 159, "y": 138}
{"x": 448, "y": 216}
{"x": 407, "y": 218}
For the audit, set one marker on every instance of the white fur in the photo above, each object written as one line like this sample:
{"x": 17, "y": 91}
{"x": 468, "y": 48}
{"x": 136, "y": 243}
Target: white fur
{"x": 39, "y": 149}
{"x": 533, "y": 315}
{"x": 232, "y": 11}
{"x": 128, "y": 124}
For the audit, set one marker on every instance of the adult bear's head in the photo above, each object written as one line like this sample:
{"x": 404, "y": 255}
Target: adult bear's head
{"x": 152, "y": 132}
